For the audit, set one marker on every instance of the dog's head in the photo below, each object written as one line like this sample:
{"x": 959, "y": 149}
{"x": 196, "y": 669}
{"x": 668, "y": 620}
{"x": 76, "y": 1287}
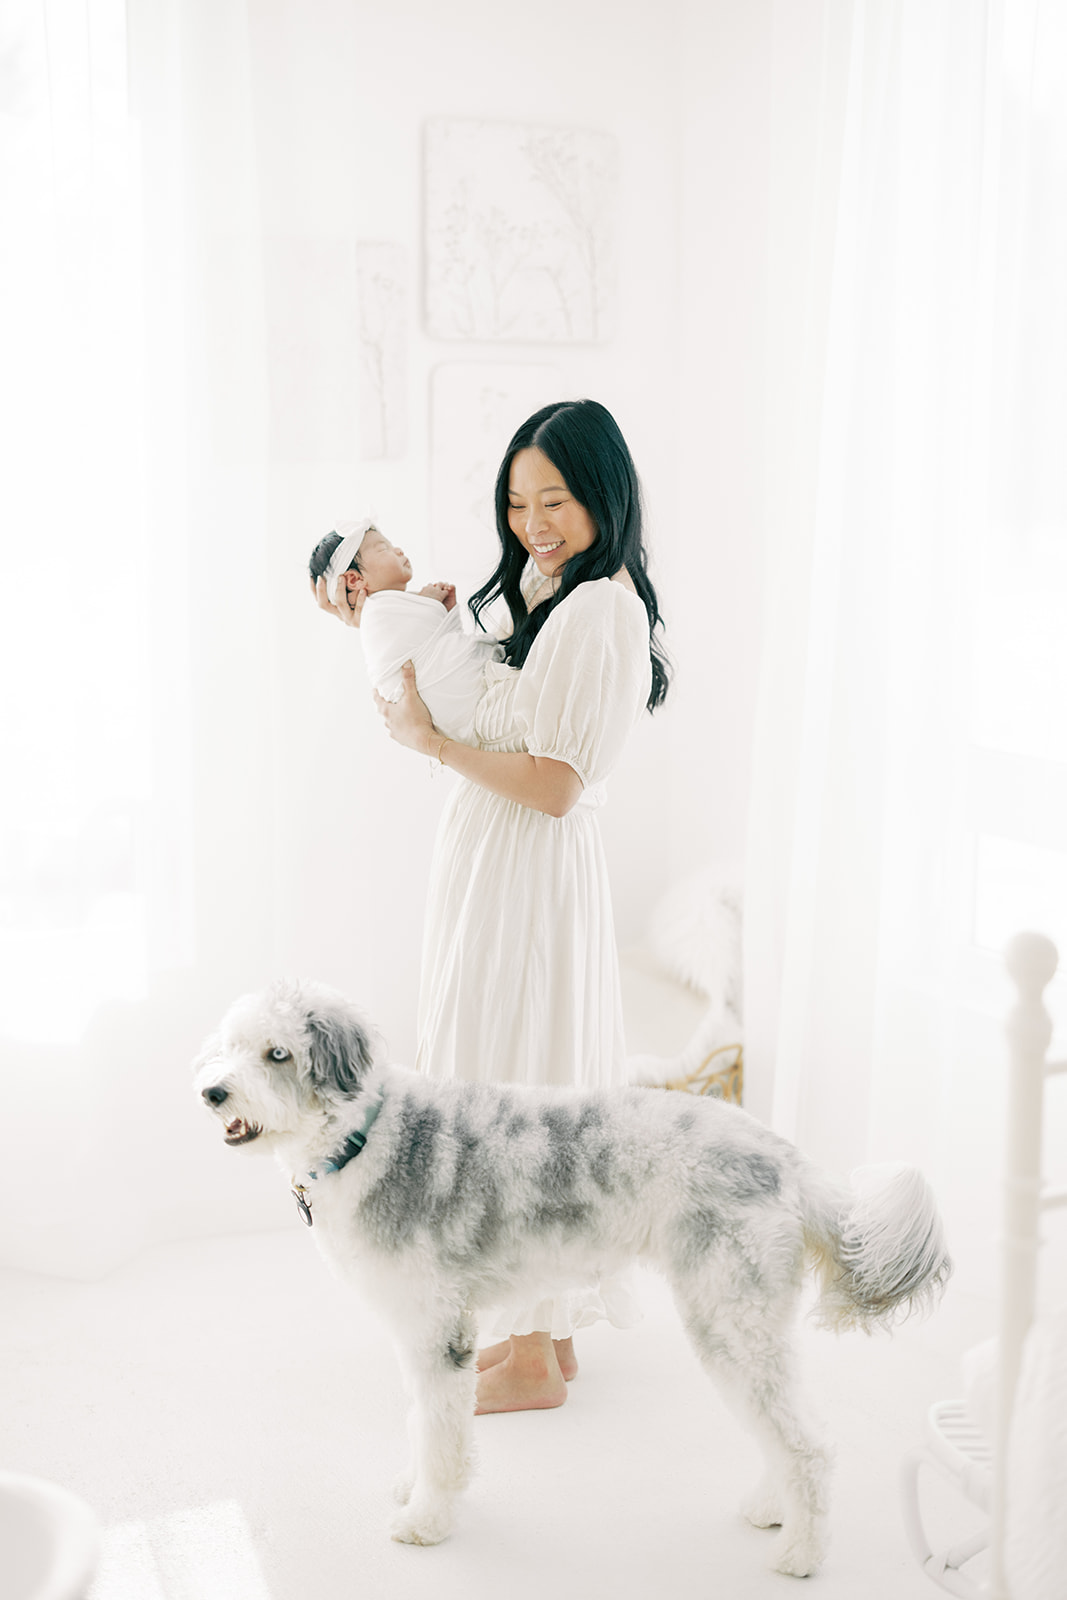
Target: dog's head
{"x": 282, "y": 1058}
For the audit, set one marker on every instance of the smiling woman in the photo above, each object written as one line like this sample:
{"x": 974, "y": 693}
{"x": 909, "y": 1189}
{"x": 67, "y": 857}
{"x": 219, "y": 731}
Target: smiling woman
{"x": 568, "y": 478}
{"x": 545, "y": 517}
{"x": 520, "y": 979}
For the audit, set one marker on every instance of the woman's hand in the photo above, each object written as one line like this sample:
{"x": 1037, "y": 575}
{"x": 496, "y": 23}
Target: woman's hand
{"x": 539, "y": 782}
{"x": 408, "y": 720}
{"x": 351, "y": 601}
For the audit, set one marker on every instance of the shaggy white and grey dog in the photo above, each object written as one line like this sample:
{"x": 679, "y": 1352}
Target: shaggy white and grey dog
{"x": 438, "y": 1199}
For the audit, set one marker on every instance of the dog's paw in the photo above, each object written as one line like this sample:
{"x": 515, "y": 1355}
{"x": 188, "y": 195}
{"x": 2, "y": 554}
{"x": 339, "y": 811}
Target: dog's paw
{"x": 763, "y": 1506}
{"x": 797, "y": 1556}
{"x": 762, "y": 1511}
{"x": 421, "y": 1524}
{"x": 402, "y": 1487}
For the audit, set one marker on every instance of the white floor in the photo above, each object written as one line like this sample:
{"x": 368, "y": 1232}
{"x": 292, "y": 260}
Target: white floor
{"x": 236, "y": 1419}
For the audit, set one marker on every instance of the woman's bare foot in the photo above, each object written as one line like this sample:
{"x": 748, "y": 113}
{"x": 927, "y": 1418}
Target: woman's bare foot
{"x": 527, "y": 1379}
{"x": 565, "y": 1356}
{"x": 494, "y": 1354}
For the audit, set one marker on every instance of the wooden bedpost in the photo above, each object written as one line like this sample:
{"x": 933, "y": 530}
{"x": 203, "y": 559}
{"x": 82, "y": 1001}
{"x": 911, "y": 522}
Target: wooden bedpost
{"x": 1031, "y": 959}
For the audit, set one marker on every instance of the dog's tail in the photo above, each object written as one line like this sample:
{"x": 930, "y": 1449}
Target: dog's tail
{"x": 877, "y": 1248}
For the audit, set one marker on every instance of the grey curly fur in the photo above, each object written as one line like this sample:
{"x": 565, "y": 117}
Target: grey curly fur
{"x": 466, "y": 1193}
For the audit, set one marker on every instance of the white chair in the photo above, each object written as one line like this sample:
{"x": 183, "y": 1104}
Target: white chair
{"x": 954, "y": 1446}
{"x": 49, "y": 1540}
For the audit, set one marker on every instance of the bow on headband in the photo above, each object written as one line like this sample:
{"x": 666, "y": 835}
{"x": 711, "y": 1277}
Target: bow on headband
{"x": 352, "y": 536}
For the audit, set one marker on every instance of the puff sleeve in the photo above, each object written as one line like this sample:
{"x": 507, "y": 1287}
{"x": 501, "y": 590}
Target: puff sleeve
{"x": 587, "y": 679}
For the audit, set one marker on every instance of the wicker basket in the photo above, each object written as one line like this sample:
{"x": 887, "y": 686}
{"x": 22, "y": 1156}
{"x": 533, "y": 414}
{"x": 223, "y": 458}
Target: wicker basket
{"x": 722, "y": 1074}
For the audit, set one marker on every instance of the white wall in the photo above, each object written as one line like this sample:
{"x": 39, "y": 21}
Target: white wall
{"x": 285, "y": 834}
{"x": 718, "y": 553}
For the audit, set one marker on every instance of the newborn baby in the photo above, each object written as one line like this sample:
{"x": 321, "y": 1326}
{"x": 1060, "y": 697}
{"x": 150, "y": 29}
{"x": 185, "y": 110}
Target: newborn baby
{"x": 363, "y": 570}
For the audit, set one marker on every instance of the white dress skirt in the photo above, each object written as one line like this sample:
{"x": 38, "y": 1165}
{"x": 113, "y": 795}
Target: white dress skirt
{"x": 520, "y": 975}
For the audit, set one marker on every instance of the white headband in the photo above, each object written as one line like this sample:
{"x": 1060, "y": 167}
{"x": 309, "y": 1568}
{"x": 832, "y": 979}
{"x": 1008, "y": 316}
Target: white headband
{"x": 352, "y": 536}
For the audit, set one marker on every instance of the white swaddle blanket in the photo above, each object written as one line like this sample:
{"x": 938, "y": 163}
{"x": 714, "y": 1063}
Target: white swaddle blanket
{"x": 449, "y": 664}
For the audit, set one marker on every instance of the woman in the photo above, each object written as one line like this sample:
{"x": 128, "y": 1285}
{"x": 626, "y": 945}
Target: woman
{"x": 520, "y": 975}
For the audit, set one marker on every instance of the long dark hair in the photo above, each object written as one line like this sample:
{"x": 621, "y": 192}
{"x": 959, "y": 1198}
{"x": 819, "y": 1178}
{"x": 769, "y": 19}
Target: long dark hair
{"x": 582, "y": 440}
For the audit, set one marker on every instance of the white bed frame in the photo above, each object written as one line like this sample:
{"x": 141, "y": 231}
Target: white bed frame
{"x": 953, "y": 1446}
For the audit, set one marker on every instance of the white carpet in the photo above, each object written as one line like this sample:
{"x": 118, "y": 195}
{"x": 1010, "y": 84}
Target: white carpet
{"x": 236, "y": 1420}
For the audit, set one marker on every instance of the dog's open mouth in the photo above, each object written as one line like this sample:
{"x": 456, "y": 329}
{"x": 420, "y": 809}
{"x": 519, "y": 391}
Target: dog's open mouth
{"x": 241, "y": 1132}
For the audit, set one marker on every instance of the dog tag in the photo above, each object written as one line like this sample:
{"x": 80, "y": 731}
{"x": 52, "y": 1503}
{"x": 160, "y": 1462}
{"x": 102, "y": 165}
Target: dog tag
{"x": 303, "y": 1206}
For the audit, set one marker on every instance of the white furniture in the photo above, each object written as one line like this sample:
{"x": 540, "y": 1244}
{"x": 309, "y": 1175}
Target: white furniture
{"x": 49, "y": 1541}
{"x": 954, "y": 1446}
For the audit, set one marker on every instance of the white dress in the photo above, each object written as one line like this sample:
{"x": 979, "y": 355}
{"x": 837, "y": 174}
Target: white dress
{"x": 520, "y": 978}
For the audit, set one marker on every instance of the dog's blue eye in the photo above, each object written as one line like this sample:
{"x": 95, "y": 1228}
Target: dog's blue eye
{"x": 278, "y": 1054}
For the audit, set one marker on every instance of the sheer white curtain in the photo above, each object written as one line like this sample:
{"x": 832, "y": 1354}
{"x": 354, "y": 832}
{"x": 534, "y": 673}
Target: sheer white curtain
{"x": 72, "y": 645}
{"x": 915, "y": 537}
{"x": 155, "y": 784}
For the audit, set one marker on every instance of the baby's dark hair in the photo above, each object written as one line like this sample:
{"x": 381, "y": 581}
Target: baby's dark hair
{"x": 320, "y": 557}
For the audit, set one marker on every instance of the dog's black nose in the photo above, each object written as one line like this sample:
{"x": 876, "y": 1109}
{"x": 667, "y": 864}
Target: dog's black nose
{"x": 216, "y": 1096}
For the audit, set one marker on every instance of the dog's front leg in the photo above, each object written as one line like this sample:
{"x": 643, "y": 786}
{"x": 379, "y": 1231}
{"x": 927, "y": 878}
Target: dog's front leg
{"x": 441, "y": 1375}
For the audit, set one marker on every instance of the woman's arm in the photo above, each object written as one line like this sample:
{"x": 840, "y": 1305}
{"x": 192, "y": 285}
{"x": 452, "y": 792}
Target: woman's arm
{"x": 540, "y": 782}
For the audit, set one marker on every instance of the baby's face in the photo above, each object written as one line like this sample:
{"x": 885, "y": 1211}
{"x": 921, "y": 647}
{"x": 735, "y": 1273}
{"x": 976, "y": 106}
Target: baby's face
{"x": 382, "y": 564}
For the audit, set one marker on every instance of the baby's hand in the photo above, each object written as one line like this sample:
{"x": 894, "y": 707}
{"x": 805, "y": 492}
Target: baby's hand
{"x": 445, "y": 592}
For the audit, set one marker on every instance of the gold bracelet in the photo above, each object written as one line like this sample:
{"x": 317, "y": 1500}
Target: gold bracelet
{"x": 445, "y": 740}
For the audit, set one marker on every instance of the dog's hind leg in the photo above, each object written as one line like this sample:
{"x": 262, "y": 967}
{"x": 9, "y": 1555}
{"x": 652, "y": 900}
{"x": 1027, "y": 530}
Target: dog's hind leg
{"x": 440, "y": 1373}
{"x": 750, "y": 1359}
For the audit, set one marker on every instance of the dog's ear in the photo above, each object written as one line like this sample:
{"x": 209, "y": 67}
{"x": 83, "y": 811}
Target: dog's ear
{"x": 340, "y": 1049}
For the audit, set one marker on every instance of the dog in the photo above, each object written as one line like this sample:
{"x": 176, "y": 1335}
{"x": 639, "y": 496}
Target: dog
{"x": 440, "y": 1198}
